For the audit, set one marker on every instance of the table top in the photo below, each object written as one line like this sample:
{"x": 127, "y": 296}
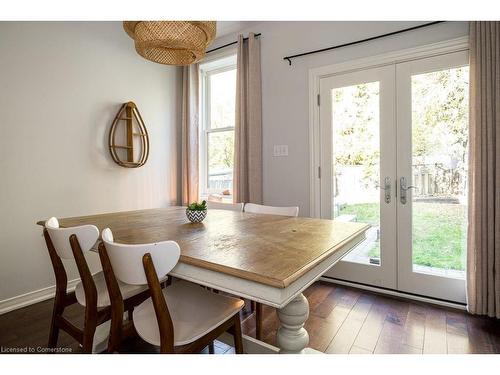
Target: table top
{"x": 268, "y": 249}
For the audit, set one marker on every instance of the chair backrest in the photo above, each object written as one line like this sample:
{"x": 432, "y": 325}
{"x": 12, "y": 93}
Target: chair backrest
{"x": 87, "y": 236}
{"x": 225, "y": 206}
{"x": 126, "y": 260}
{"x": 270, "y": 210}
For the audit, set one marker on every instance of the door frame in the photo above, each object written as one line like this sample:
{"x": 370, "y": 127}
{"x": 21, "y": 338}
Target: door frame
{"x": 316, "y": 74}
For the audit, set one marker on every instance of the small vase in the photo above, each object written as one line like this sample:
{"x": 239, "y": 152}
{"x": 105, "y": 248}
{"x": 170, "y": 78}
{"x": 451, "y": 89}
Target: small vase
{"x": 196, "y": 216}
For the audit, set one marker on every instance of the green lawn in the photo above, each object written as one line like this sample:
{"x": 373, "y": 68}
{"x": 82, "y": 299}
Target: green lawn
{"x": 439, "y": 232}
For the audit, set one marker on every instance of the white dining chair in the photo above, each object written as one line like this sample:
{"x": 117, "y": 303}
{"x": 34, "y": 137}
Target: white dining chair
{"x": 91, "y": 292}
{"x": 182, "y": 318}
{"x": 271, "y": 210}
{"x": 292, "y": 211}
{"x": 225, "y": 206}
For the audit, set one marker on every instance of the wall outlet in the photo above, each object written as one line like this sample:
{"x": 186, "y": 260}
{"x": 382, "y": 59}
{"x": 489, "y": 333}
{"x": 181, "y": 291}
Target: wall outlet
{"x": 280, "y": 150}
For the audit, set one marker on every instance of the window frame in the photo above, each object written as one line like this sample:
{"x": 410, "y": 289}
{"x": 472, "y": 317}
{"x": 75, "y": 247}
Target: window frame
{"x": 220, "y": 63}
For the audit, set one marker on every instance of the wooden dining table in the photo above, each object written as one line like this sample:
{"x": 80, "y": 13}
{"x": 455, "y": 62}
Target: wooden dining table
{"x": 265, "y": 258}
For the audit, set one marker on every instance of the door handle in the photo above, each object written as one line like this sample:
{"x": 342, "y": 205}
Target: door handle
{"x": 403, "y": 188}
{"x": 387, "y": 189}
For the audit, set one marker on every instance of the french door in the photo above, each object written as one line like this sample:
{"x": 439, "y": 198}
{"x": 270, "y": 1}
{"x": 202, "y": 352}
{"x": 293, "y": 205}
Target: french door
{"x": 394, "y": 144}
{"x": 358, "y": 159}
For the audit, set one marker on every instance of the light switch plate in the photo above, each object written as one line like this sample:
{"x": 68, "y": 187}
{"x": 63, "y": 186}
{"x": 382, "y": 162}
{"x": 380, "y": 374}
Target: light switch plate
{"x": 280, "y": 150}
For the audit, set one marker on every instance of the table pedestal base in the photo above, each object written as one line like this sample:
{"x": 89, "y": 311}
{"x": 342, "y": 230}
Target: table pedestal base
{"x": 292, "y": 337}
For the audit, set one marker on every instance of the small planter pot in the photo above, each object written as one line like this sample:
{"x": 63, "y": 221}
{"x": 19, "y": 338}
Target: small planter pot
{"x": 196, "y": 216}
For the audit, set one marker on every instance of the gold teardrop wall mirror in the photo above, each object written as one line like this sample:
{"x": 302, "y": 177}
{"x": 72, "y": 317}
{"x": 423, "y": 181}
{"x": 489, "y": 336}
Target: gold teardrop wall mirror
{"x": 128, "y": 138}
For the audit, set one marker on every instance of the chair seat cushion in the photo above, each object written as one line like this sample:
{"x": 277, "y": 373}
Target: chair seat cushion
{"x": 127, "y": 290}
{"x": 194, "y": 311}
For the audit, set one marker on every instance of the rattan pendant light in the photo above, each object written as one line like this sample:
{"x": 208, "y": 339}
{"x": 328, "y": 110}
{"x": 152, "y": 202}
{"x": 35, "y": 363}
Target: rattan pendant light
{"x": 171, "y": 42}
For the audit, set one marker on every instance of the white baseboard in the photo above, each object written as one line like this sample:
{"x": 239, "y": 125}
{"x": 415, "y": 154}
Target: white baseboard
{"x": 30, "y": 298}
{"x": 396, "y": 293}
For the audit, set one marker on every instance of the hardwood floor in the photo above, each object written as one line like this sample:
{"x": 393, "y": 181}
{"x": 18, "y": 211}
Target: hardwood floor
{"x": 341, "y": 320}
{"x": 347, "y": 320}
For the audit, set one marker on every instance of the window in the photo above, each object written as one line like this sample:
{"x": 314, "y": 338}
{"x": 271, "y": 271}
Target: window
{"x": 218, "y": 105}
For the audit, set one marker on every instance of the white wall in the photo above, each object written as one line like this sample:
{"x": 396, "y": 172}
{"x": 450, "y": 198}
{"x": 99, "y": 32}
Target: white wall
{"x": 286, "y": 88}
{"x": 61, "y": 84}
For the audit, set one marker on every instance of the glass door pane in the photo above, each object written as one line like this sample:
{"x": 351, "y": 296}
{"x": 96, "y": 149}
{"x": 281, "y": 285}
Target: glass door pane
{"x": 440, "y": 108}
{"x": 356, "y": 163}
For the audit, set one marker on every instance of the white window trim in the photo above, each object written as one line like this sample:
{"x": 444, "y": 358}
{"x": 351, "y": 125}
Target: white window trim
{"x": 315, "y": 74}
{"x": 217, "y": 63}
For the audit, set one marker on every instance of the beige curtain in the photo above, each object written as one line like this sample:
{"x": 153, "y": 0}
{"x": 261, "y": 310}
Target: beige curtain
{"x": 247, "y": 183}
{"x": 483, "y": 252}
{"x": 190, "y": 123}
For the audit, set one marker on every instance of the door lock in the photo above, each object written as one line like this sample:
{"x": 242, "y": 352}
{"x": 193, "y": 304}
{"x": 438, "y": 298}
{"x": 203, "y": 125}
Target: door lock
{"x": 387, "y": 189}
{"x": 403, "y": 188}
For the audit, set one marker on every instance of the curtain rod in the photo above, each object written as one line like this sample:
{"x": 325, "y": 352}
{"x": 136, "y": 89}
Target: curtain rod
{"x": 288, "y": 58}
{"x": 229, "y": 44}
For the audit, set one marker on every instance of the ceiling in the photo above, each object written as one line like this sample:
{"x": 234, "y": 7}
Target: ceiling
{"x": 230, "y": 27}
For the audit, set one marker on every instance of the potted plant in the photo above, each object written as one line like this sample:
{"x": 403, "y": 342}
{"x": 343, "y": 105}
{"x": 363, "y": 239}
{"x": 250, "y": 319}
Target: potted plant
{"x": 196, "y": 212}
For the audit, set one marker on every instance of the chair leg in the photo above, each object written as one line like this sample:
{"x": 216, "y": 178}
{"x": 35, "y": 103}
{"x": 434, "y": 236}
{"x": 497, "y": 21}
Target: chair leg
{"x": 115, "y": 333}
{"x": 88, "y": 340}
{"x": 89, "y": 328}
{"x": 238, "y": 339}
{"x": 53, "y": 334}
{"x": 54, "y": 328}
{"x": 54, "y": 331}
{"x": 258, "y": 321}
{"x": 211, "y": 348}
